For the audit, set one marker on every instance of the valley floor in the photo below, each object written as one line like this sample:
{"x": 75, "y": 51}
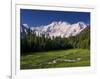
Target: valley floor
{"x": 56, "y": 59}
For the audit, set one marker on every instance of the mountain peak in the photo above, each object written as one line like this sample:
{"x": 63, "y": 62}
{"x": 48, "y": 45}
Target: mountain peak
{"x": 59, "y": 23}
{"x": 25, "y": 25}
{"x": 82, "y": 25}
{"x": 60, "y": 28}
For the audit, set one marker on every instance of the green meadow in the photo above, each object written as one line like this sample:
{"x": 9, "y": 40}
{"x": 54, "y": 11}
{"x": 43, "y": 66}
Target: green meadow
{"x": 56, "y": 59}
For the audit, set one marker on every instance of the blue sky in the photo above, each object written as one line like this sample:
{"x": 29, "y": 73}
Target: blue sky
{"x": 44, "y": 17}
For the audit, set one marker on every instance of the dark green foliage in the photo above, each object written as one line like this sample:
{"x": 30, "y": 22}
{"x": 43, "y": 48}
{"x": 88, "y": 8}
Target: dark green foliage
{"x": 82, "y": 40}
{"x": 33, "y": 43}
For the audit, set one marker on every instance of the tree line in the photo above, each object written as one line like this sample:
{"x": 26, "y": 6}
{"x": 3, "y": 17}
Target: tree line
{"x": 33, "y": 43}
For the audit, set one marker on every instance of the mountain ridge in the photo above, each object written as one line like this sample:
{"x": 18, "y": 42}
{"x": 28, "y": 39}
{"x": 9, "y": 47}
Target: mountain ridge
{"x": 60, "y": 28}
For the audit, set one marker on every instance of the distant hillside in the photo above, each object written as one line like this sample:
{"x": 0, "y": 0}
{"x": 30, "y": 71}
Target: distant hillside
{"x": 84, "y": 36}
{"x": 82, "y": 40}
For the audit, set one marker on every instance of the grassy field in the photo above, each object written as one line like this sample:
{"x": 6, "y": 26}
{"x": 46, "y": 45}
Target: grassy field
{"x": 56, "y": 59}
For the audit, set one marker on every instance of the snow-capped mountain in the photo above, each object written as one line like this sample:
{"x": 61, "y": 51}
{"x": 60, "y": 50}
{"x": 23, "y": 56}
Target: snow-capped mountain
{"x": 63, "y": 29}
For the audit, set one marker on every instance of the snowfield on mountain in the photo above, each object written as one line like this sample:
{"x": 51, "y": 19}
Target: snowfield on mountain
{"x": 62, "y": 29}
